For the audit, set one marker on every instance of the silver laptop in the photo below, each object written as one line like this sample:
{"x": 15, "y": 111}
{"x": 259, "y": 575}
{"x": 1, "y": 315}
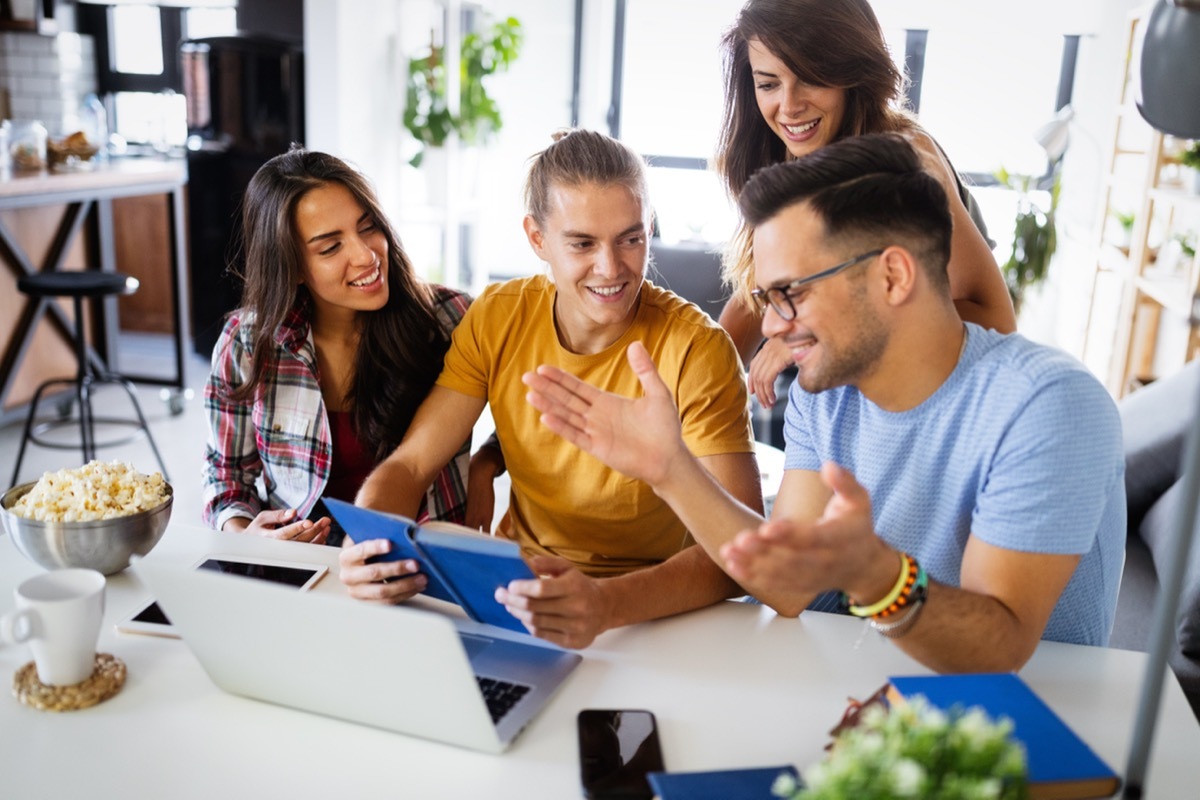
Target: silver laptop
{"x": 404, "y": 669}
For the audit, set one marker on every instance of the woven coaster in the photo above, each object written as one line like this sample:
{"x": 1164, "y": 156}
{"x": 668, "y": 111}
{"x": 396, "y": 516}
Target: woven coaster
{"x": 106, "y": 680}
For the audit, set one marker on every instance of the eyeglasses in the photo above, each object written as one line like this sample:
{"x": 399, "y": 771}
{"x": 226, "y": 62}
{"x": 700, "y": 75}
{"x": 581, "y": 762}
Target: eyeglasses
{"x": 780, "y": 297}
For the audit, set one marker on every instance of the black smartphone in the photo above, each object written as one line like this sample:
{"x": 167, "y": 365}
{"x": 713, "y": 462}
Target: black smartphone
{"x": 617, "y": 747}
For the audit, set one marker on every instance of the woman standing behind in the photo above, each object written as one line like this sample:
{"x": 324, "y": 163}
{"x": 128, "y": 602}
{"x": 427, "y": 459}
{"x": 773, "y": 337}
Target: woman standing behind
{"x": 800, "y": 74}
{"x": 316, "y": 377}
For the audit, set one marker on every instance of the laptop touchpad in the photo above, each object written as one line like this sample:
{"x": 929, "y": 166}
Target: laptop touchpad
{"x": 474, "y": 645}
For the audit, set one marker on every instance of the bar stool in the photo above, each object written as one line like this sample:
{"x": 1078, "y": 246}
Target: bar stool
{"x": 88, "y": 284}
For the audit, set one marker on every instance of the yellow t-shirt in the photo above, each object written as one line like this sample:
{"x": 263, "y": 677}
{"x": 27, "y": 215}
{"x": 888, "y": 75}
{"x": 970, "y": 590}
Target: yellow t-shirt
{"x": 565, "y": 502}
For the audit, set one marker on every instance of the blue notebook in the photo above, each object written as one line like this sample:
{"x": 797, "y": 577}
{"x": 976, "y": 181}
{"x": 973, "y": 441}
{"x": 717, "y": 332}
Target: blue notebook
{"x": 463, "y": 566}
{"x": 729, "y": 784}
{"x": 1060, "y": 764}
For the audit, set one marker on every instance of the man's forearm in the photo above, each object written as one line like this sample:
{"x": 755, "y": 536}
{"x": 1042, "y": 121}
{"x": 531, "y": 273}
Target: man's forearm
{"x": 684, "y": 582}
{"x": 391, "y": 487}
{"x": 707, "y": 510}
{"x": 963, "y": 631}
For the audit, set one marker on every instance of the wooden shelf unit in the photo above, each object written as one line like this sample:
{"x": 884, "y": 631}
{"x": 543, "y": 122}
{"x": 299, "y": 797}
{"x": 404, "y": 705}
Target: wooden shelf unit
{"x": 1150, "y": 290}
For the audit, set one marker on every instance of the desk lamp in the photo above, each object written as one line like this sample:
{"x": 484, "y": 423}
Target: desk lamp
{"x": 1170, "y": 101}
{"x": 1055, "y": 135}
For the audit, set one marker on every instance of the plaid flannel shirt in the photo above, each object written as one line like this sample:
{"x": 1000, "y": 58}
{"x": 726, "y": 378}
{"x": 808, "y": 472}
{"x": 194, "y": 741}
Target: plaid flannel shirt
{"x": 282, "y": 435}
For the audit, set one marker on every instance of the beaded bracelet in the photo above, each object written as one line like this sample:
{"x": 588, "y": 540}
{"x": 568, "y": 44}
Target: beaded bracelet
{"x": 891, "y": 597}
{"x": 915, "y": 584}
{"x": 896, "y": 629}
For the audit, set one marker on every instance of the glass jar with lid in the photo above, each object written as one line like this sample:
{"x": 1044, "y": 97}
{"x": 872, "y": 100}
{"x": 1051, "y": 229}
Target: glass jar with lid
{"x": 27, "y": 144}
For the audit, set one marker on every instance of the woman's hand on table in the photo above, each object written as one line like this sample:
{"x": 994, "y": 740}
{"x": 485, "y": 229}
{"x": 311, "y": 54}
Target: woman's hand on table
{"x": 381, "y": 581}
{"x": 281, "y": 523}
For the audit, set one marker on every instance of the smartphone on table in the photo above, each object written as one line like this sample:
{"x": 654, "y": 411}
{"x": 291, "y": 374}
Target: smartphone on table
{"x": 617, "y": 747}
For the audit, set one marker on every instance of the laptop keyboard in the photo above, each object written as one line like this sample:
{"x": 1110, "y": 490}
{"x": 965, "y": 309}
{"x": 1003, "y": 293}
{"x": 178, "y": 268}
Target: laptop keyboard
{"x": 500, "y": 696}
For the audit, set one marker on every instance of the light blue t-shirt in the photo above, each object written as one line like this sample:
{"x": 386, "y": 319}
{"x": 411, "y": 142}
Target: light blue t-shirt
{"x": 1020, "y": 446}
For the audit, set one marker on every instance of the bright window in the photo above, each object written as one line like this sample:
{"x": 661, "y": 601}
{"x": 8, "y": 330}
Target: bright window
{"x": 201, "y": 23}
{"x": 990, "y": 79}
{"x": 136, "y": 34}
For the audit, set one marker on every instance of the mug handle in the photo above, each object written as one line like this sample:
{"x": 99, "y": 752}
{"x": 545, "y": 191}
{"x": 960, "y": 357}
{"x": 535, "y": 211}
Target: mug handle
{"x": 17, "y": 627}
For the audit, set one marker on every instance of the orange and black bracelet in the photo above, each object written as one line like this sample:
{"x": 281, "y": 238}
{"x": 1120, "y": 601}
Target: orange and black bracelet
{"x": 910, "y": 586}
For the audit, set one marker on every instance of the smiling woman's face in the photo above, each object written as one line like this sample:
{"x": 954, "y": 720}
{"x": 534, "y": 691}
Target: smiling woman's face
{"x": 803, "y": 116}
{"x": 345, "y": 251}
{"x": 595, "y": 240}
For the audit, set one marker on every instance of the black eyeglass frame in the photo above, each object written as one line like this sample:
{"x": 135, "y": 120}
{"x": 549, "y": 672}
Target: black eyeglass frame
{"x": 780, "y": 297}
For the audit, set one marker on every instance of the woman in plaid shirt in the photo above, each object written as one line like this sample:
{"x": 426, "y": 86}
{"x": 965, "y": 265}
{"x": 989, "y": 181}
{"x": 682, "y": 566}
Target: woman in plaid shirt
{"x": 317, "y": 376}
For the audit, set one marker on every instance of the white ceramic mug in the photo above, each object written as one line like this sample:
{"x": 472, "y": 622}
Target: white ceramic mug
{"x": 58, "y": 615}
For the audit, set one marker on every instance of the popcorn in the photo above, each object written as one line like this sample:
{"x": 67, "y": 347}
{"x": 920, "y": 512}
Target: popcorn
{"x": 97, "y": 490}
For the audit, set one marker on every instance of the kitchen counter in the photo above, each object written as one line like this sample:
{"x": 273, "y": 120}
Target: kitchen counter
{"x": 64, "y": 220}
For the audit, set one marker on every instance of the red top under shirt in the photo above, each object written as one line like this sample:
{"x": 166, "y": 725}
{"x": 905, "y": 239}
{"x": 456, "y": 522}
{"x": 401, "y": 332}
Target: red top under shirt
{"x": 351, "y": 462}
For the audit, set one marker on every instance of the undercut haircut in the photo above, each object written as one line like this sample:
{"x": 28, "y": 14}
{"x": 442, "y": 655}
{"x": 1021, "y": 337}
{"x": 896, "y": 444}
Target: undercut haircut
{"x": 869, "y": 191}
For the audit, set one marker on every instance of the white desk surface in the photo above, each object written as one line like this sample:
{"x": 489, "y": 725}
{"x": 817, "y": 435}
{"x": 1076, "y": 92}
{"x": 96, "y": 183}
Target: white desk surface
{"x": 732, "y": 685}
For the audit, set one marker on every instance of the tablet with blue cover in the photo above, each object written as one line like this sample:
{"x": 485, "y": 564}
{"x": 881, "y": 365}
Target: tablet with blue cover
{"x": 463, "y": 566}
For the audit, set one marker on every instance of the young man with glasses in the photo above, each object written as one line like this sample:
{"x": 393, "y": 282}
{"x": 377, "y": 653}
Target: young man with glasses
{"x": 959, "y": 488}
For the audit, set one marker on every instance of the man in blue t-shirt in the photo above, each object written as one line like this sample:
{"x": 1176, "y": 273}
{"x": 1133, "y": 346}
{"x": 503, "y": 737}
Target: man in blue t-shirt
{"x": 961, "y": 489}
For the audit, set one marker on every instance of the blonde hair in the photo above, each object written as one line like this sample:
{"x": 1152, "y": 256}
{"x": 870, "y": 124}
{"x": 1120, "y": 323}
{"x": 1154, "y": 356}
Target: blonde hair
{"x": 579, "y": 156}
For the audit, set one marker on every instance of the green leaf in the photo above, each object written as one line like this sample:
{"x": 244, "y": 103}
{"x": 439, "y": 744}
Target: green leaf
{"x": 482, "y": 54}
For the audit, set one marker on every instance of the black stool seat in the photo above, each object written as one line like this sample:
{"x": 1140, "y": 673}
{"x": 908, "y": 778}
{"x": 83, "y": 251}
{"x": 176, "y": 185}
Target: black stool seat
{"x": 88, "y": 283}
{"x": 80, "y": 286}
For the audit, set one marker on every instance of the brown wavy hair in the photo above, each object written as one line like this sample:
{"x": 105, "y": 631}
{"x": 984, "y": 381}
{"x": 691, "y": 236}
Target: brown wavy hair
{"x": 828, "y": 43}
{"x": 401, "y": 346}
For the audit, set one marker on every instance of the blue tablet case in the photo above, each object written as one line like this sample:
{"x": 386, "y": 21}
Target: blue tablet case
{"x": 462, "y": 568}
{"x": 364, "y": 524}
{"x": 473, "y": 568}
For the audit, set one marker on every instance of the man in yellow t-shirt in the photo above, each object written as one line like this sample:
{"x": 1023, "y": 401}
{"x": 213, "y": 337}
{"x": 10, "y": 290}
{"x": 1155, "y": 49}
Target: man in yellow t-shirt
{"x": 565, "y": 502}
{"x": 607, "y": 551}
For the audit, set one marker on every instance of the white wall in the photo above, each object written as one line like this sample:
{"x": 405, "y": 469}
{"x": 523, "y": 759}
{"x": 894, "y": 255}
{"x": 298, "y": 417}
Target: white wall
{"x": 353, "y": 96}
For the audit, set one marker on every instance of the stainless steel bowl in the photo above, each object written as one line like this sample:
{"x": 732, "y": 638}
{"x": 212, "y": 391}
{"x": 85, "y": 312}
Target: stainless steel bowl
{"x": 104, "y": 545}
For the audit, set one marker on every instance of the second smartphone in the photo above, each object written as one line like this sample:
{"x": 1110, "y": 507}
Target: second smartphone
{"x": 617, "y": 747}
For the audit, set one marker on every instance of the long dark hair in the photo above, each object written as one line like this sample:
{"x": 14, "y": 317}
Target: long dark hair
{"x": 401, "y": 346}
{"x": 829, "y": 43}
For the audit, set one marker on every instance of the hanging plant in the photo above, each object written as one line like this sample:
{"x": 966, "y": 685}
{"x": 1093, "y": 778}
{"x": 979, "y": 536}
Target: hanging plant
{"x": 1034, "y": 237}
{"x": 426, "y": 115}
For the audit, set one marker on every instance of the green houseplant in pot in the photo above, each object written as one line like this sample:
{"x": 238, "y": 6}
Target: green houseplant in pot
{"x": 917, "y": 751}
{"x": 426, "y": 113}
{"x": 1190, "y": 158}
{"x": 1034, "y": 237}
{"x": 1125, "y": 220}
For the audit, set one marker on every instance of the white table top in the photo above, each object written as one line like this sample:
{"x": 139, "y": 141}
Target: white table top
{"x": 732, "y": 685}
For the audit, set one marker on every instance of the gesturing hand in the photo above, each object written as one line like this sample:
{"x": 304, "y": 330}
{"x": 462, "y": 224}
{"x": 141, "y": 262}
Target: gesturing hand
{"x": 639, "y": 438}
{"x": 838, "y": 551}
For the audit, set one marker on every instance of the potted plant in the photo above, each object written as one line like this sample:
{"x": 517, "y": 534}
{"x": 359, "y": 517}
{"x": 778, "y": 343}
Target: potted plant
{"x": 426, "y": 114}
{"x": 916, "y": 750}
{"x": 1190, "y": 158}
{"x": 1125, "y": 220}
{"x": 1034, "y": 237}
